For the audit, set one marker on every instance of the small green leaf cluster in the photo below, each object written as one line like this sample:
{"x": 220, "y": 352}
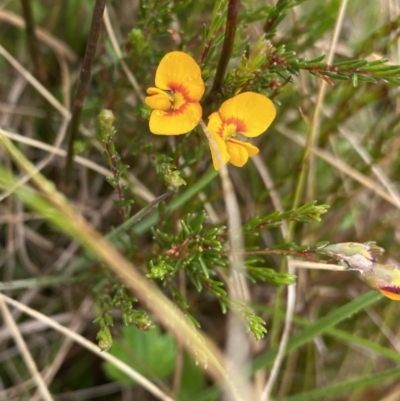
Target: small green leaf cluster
{"x": 254, "y": 323}
{"x": 306, "y": 213}
{"x": 213, "y": 35}
{"x": 200, "y": 253}
{"x": 249, "y": 69}
{"x": 138, "y": 40}
{"x": 195, "y": 250}
{"x": 277, "y": 14}
{"x": 269, "y": 69}
{"x": 165, "y": 167}
{"x": 257, "y": 272}
{"x": 111, "y": 293}
{"x": 354, "y": 70}
{"x": 266, "y": 69}
{"x": 106, "y": 133}
{"x": 155, "y": 18}
{"x": 191, "y": 238}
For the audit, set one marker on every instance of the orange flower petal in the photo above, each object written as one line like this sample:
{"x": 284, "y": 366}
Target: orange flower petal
{"x": 222, "y": 149}
{"x": 175, "y": 123}
{"x": 251, "y": 112}
{"x": 179, "y": 72}
{"x": 392, "y": 292}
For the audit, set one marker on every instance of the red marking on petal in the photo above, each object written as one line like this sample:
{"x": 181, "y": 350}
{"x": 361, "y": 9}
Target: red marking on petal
{"x": 373, "y": 256}
{"x": 239, "y": 124}
{"x": 179, "y": 110}
{"x": 174, "y": 87}
{"x": 391, "y": 288}
{"x": 389, "y": 293}
{"x": 183, "y": 91}
{"x": 220, "y": 131}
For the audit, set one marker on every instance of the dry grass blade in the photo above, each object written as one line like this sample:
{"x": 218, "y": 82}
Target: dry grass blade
{"x": 63, "y": 214}
{"x": 46, "y": 37}
{"x": 138, "y": 189}
{"x": 117, "y": 49}
{"x": 88, "y": 345}
{"x": 341, "y": 165}
{"x": 26, "y": 355}
{"x": 35, "y": 83}
{"x": 312, "y": 140}
{"x": 149, "y": 254}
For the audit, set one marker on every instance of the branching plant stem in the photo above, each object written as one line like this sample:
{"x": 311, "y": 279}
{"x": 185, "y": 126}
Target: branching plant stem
{"x": 227, "y": 47}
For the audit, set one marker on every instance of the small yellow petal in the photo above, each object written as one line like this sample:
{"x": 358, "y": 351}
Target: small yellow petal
{"x": 179, "y": 72}
{"x": 215, "y": 124}
{"x": 239, "y": 155}
{"x": 219, "y": 151}
{"x": 251, "y": 112}
{"x": 160, "y": 101}
{"x": 175, "y": 122}
{"x": 251, "y": 149}
{"x": 154, "y": 91}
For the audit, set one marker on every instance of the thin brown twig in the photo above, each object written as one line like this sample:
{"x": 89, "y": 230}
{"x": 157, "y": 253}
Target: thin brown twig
{"x": 84, "y": 80}
{"x": 33, "y": 43}
{"x": 227, "y": 47}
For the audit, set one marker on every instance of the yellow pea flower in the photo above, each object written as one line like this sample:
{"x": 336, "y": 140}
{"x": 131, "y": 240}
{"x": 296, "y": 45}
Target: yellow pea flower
{"x": 363, "y": 258}
{"x": 385, "y": 279}
{"x": 175, "y": 99}
{"x": 248, "y": 114}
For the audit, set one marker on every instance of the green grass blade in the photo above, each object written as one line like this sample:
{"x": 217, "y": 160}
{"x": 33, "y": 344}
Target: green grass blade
{"x": 362, "y": 382}
{"x": 321, "y": 326}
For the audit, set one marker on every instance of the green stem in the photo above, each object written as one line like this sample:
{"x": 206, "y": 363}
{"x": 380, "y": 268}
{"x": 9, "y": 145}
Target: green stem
{"x": 49, "y": 281}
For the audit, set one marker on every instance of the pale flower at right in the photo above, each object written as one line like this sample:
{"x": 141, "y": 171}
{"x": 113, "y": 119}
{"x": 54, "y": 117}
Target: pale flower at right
{"x": 248, "y": 114}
